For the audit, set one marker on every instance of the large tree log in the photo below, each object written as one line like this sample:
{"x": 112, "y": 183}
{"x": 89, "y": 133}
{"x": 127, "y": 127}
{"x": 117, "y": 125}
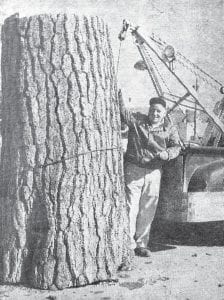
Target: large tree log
{"x": 63, "y": 212}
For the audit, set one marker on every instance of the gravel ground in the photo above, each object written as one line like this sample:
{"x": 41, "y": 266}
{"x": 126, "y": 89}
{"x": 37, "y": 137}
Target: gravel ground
{"x": 187, "y": 262}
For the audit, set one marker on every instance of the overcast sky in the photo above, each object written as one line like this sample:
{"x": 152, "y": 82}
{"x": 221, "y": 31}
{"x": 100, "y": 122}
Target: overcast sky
{"x": 195, "y": 27}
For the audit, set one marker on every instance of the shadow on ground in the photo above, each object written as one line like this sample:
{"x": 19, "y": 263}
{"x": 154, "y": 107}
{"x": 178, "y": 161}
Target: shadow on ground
{"x": 164, "y": 235}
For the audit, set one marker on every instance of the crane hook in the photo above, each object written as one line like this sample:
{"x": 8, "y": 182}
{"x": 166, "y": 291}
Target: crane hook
{"x": 123, "y": 31}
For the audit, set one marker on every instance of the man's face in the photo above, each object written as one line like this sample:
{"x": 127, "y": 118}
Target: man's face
{"x": 157, "y": 113}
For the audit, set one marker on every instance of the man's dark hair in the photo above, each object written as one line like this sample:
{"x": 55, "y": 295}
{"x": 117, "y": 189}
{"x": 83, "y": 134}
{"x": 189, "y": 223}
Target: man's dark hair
{"x": 157, "y": 100}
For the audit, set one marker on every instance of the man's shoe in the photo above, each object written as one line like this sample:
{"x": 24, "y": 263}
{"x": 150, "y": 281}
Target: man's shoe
{"x": 142, "y": 251}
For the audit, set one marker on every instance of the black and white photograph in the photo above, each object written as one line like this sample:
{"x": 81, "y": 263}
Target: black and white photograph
{"x": 112, "y": 149}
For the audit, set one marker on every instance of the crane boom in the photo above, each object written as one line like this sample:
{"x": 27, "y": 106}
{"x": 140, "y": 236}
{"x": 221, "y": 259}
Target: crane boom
{"x": 142, "y": 44}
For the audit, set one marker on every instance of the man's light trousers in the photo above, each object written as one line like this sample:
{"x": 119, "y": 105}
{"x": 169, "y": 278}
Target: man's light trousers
{"x": 142, "y": 191}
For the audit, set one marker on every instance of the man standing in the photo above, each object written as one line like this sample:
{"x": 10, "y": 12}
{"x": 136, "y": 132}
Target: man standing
{"x": 151, "y": 142}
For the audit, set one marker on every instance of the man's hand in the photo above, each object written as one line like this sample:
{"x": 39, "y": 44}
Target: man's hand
{"x": 164, "y": 155}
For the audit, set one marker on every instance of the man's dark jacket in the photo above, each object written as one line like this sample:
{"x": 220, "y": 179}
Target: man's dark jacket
{"x": 145, "y": 142}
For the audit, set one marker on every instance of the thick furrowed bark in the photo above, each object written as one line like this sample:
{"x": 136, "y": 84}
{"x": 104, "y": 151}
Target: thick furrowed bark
{"x": 63, "y": 210}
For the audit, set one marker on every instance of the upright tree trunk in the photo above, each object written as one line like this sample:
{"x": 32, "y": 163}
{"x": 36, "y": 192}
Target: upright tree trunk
{"x": 63, "y": 212}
